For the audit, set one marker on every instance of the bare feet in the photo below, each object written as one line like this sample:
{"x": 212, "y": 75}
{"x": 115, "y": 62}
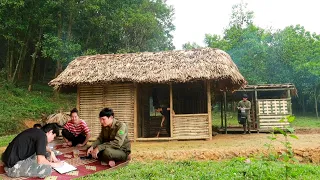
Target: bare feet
{"x": 67, "y": 144}
{"x": 112, "y": 163}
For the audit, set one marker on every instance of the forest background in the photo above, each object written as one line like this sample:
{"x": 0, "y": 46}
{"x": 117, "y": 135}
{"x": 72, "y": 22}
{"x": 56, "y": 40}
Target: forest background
{"x": 39, "y": 38}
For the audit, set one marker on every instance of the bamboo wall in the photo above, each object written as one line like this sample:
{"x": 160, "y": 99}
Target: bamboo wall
{"x": 119, "y": 97}
{"x": 271, "y": 112}
{"x": 190, "y": 126}
{"x": 90, "y": 103}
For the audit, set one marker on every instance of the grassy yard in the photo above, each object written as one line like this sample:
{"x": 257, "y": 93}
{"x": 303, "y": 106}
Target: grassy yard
{"x": 237, "y": 168}
{"x": 306, "y": 121}
{"x": 299, "y": 122}
{"x": 17, "y": 105}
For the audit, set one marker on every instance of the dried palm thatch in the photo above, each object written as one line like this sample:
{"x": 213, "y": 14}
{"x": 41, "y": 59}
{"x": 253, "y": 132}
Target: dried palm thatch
{"x": 149, "y": 67}
{"x": 59, "y": 118}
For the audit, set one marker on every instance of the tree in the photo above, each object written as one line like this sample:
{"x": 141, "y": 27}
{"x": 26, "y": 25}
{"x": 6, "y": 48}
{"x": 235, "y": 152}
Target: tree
{"x": 188, "y": 46}
{"x": 37, "y": 34}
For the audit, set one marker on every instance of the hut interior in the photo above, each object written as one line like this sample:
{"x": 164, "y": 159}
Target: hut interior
{"x": 188, "y": 99}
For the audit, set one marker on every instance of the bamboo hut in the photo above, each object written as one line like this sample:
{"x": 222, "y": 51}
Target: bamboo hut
{"x": 183, "y": 80}
{"x": 270, "y": 106}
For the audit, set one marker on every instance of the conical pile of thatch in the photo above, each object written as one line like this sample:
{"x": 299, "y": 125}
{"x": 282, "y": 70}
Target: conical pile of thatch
{"x": 148, "y": 67}
{"x": 59, "y": 118}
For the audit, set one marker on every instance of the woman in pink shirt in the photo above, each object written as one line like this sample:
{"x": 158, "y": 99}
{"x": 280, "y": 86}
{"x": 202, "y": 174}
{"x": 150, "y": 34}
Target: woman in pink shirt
{"x": 76, "y": 131}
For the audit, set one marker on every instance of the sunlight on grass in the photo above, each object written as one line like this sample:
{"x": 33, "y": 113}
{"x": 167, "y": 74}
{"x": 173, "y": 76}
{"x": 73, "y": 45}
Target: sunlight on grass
{"x": 306, "y": 121}
{"x": 300, "y": 121}
{"x": 236, "y": 168}
{"x": 5, "y": 140}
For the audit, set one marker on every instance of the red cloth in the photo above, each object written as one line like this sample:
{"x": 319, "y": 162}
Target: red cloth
{"x": 84, "y": 166}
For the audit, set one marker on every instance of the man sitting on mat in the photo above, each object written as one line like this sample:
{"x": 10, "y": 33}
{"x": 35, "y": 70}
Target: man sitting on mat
{"x": 76, "y": 131}
{"x": 113, "y": 143}
{"x": 25, "y": 155}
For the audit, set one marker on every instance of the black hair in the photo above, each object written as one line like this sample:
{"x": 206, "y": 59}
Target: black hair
{"x": 51, "y": 126}
{"x": 37, "y": 125}
{"x": 244, "y": 96}
{"x": 106, "y": 112}
{"x": 74, "y": 110}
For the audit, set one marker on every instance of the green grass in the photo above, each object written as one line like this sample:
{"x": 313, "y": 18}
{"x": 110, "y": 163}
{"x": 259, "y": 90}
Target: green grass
{"x": 306, "y": 121}
{"x": 231, "y": 169}
{"x": 17, "y": 104}
{"x": 300, "y": 121}
{"x": 5, "y": 140}
{"x": 231, "y": 119}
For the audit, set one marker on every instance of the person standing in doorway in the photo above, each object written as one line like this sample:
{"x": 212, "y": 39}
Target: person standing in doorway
{"x": 245, "y": 106}
{"x": 165, "y": 111}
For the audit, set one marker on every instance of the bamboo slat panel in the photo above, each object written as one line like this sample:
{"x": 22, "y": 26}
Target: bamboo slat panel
{"x": 270, "y": 122}
{"x": 190, "y": 127}
{"x": 273, "y": 106}
{"x": 120, "y": 97}
{"x": 90, "y": 104}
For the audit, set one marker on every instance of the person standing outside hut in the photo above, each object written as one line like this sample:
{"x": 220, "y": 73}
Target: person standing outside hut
{"x": 113, "y": 143}
{"x": 245, "y": 106}
{"x": 76, "y": 131}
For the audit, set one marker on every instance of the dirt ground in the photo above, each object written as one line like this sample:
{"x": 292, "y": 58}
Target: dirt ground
{"x": 226, "y": 146}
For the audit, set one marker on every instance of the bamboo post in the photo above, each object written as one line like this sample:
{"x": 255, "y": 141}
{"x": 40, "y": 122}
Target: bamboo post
{"x": 135, "y": 114}
{"x": 78, "y": 98}
{"x": 257, "y": 108}
{"x": 289, "y": 102}
{"x": 209, "y": 109}
{"x": 225, "y": 111}
{"x": 171, "y": 111}
{"x": 221, "y": 111}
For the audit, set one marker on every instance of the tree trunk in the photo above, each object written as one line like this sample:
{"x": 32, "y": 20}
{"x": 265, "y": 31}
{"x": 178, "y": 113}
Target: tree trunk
{"x": 88, "y": 38}
{"x": 316, "y": 102}
{"x": 33, "y": 62}
{"x": 59, "y": 66}
{"x": 303, "y": 105}
{"x": 58, "y": 69}
{"x": 10, "y": 64}
{"x": 22, "y": 55}
{"x": 70, "y": 26}
{"x": 8, "y": 60}
{"x": 44, "y": 71}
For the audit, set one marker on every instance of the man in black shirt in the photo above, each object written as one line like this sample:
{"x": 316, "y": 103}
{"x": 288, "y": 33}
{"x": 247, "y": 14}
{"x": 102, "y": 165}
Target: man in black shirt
{"x": 25, "y": 155}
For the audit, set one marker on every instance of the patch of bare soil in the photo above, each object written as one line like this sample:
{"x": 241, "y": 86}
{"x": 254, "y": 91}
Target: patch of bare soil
{"x": 29, "y": 123}
{"x": 226, "y": 146}
{"x": 307, "y": 131}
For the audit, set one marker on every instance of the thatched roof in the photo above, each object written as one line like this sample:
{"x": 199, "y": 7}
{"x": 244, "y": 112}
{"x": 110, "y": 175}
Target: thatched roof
{"x": 152, "y": 67}
{"x": 271, "y": 87}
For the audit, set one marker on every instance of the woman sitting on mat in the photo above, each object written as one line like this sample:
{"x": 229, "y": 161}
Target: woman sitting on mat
{"x": 76, "y": 131}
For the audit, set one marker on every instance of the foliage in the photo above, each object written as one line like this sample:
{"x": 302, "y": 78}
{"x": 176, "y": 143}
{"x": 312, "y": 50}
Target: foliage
{"x": 37, "y": 36}
{"x": 287, "y": 155}
{"x": 290, "y": 55}
{"x": 189, "y": 45}
{"x": 56, "y": 49}
{"x": 237, "y": 168}
{"x": 306, "y": 122}
{"x": 17, "y": 104}
{"x": 5, "y": 140}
